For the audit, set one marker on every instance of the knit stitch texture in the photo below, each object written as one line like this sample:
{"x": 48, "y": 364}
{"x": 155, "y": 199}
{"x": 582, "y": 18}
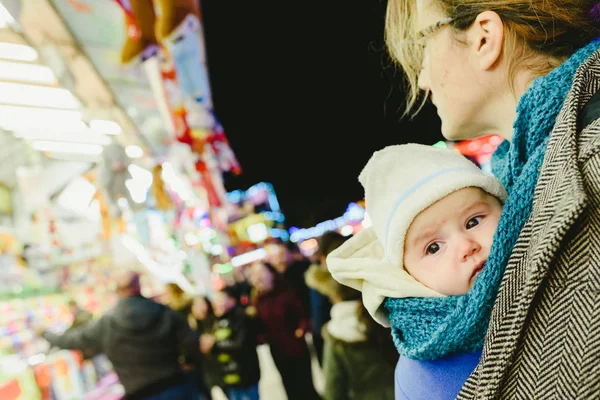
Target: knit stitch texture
{"x": 432, "y": 328}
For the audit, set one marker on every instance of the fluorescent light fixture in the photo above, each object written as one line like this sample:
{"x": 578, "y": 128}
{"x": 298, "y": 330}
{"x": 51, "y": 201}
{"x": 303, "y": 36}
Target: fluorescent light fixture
{"x": 17, "y": 52}
{"x": 5, "y": 18}
{"x": 105, "y": 126}
{"x": 23, "y": 118}
{"x": 37, "y": 96}
{"x": 134, "y": 151}
{"x": 58, "y": 136}
{"x": 31, "y": 73}
{"x": 66, "y": 147}
{"x": 249, "y": 257}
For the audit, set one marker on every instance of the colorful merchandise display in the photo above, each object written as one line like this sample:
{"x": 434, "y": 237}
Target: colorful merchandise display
{"x": 110, "y": 190}
{"x": 255, "y": 216}
{"x": 17, "y": 380}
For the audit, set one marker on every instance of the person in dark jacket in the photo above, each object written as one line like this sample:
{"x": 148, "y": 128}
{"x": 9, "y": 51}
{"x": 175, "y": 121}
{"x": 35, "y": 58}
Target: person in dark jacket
{"x": 232, "y": 343}
{"x": 353, "y": 364}
{"x": 284, "y": 322}
{"x": 176, "y": 298}
{"x": 141, "y": 338}
{"x": 320, "y": 304}
{"x": 80, "y": 315}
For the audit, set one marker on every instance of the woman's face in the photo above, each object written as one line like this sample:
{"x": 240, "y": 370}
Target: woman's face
{"x": 452, "y": 72}
{"x": 199, "y": 308}
{"x": 261, "y": 278}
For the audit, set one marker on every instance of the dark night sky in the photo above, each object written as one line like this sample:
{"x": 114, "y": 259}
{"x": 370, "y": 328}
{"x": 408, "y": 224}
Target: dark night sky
{"x": 306, "y": 93}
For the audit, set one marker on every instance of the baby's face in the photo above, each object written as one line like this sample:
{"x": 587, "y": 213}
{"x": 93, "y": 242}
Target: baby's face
{"x": 447, "y": 244}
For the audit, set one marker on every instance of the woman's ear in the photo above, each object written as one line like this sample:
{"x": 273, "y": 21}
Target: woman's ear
{"x": 486, "y": 38}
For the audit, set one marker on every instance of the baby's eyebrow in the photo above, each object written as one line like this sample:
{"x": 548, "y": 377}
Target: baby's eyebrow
{"x": 428, "y": 231}
{"x": 470, "y": 207}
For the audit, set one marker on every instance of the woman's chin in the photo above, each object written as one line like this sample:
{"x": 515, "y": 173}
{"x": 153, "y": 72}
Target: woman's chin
{"x": 453, "y": 133}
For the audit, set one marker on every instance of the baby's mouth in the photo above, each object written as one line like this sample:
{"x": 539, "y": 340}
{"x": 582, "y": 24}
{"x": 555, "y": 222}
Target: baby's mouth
{"x": 478, "y": 270}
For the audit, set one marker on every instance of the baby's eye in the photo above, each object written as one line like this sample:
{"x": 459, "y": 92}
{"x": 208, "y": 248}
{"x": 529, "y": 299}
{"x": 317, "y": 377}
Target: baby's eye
{"x": 473, "y": 222}
{"x": 434, "y": 247}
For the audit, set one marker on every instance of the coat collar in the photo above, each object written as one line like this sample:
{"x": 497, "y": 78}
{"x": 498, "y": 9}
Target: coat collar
{"x": 559, "y": 201}
{"x": 560, "y": 196}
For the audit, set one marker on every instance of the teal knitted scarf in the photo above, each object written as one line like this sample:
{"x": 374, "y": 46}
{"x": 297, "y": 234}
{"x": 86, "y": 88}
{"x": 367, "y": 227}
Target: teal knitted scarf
{"x": 431, "y": 328}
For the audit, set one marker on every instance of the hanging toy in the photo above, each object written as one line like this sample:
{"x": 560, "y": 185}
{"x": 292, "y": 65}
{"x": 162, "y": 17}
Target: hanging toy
{"x": 163, "y": 82}
{"x": 141, "y": 40}
{"x": 179, "y": 30}
{"x": 207, "y": 183}
{"x": 223, "y": 153}
{"x": 176, "y": 26}
{"x": 161, "y": 197}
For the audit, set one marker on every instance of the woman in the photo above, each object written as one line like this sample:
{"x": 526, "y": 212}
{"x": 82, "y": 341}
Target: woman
{"x": 529, "y": 71}
{"x": 281, "y": 313}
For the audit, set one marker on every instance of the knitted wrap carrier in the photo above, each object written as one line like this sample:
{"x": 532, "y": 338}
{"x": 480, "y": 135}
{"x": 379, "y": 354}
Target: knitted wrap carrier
{"x": 432, "y": 328}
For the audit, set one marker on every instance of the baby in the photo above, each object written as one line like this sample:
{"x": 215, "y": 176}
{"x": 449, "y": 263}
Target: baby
{"x": 434, "y": 214}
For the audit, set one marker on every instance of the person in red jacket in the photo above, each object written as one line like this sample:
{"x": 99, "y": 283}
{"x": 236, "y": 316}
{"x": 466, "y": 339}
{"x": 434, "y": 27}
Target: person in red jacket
{"x": 284, "y": 321}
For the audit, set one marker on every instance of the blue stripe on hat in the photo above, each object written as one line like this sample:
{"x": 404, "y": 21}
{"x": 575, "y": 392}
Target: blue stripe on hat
{"x": 413, "y": 189}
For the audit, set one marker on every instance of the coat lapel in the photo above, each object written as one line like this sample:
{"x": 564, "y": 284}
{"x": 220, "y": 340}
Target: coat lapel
{"x": 559, "y": 201}
{"x": 560, "y": 195}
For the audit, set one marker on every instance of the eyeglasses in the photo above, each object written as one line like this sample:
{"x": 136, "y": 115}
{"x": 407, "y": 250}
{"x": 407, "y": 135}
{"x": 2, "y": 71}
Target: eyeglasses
{"x": 432, "y": 28}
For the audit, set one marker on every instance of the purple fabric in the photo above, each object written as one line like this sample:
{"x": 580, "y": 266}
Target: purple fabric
{"x": 433, "y": 380}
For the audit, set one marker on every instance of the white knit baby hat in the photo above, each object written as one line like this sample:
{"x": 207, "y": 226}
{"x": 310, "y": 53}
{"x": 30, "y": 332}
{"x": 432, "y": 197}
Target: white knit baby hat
{"x": 400, "y": 181}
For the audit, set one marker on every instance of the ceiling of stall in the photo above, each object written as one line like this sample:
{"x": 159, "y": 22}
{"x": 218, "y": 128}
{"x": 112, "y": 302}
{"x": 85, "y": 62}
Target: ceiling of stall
{"x": 99, "y": 30}
{"x": 99, "y": 27}
{"x": 14, "y": 149}
{"x": 14, "y": 152}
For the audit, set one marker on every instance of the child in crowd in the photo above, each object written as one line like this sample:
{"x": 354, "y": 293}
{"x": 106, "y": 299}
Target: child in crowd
{"x": 434, "y": 215}
{"x": 232, "y": 344}
{"x": 354, "y": 365}
{"x": 201, "y": 320}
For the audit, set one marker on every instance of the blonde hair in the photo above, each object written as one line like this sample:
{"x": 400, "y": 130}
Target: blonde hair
{"x": 551, "y": 28}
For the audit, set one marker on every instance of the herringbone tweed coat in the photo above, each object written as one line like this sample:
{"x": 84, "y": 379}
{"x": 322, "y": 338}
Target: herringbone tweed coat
{"x": 543, "y": 340}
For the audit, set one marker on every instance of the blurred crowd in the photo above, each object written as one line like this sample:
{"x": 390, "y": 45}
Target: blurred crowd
{"x": 183, "y": 346}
